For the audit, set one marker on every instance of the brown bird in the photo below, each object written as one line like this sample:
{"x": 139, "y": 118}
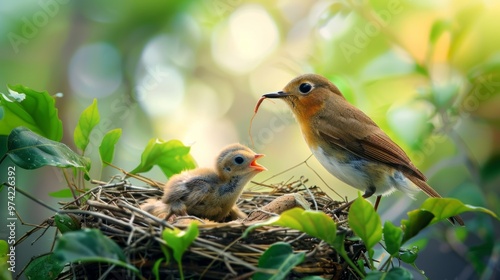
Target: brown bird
{"x": 206, "y": 192}
{"x": 348, "y": 143}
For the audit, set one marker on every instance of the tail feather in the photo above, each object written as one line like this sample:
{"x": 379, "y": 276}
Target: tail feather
{"x": 432, "y": 193}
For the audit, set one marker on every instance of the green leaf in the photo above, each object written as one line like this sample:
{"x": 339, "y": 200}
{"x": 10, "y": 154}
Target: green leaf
{"x": 172, "y": 157}
{"x": 314, "y": 223}
{"x": 395, "y": 273}
{"x": 179, "y": 240}
{"x": 107, "y": 147}
{"x": 44, "y": 267}
{"x": 444, "y": 208}
{"x": 393, "y": 238}
{"x": 90, "y": 245}
{"x": 88, "y": 120}
{"x": 4, "y": 259}
{"x": 280, "y": 257}
{"x": 64, "y": 193}
{"x": 32, "y": 109}
{"x": 365, "y": 222}
{"x": 437, "y": 29}
{"x": 167, "y": 252}
{"x": 30, "y": 151}
{"x": 338, "y": 245}
{"x": 67, "y": 222}
{"x": 4, "y": 248}
{"x": 156, "y": 268}
{"x": 417, "y": 220}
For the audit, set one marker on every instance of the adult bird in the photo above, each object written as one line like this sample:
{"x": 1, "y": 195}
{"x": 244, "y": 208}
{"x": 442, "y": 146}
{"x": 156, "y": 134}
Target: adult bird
{"x": 348, "y": 143}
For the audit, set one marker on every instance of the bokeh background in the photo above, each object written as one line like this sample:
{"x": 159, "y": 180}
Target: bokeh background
{"x": 428, "y": 72}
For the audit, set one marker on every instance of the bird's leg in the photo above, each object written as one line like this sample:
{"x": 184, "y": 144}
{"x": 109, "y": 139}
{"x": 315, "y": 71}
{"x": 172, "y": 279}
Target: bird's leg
{"x": 368, "y": 193}
{"x": 236, "y": 213}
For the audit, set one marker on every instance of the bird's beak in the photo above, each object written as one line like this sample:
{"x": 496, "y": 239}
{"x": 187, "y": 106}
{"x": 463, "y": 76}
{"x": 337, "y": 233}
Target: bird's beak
{"x": 257, "y": 166}
{"x": 279, "y": 94}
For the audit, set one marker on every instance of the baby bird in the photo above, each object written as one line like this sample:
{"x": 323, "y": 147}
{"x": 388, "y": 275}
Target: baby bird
{"x": 206, "y": 192}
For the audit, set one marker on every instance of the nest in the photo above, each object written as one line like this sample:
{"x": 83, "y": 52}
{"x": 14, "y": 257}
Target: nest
{"x": 219, "y": 252}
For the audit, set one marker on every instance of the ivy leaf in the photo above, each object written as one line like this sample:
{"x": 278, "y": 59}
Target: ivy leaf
{"x": 393, "y": 238}
{"x": 90, "y": 245}
{"x": 32, "y": 109}
{"x": 444, "y": 208}
{"x": 314, "y": 223}
{"x": 172, "y": 157}
{"x": 64, "y": 193}
{"x": 417, "y": 220}
{"x": 67, "y": 222}
{"x": 88, "y": 120}
{"x": 365, "y": 222}
{"x": 31, "y": 151}
{"x": 44, "y": 267}
{"x": 409, "y": 255}
{"x": 179, "y": 240}
{"x": 107, "y": 147}
{"x": 280, "y": 257}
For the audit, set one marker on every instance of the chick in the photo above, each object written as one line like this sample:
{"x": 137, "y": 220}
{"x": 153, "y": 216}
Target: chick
{"x": 206, "y": 192}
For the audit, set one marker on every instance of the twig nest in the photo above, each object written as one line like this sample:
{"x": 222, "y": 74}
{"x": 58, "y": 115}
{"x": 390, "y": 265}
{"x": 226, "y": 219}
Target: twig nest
{"x": 219, "y": 252}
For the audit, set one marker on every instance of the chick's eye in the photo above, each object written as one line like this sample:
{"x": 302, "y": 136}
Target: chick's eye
{"x": 239, "y": 160}
{"x": 305, "y": 87}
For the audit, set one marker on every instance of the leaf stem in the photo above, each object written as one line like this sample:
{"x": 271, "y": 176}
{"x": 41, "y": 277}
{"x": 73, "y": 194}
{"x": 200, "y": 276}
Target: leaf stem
{"x": 181, "y": 272}
{"x": 3, "y": 158}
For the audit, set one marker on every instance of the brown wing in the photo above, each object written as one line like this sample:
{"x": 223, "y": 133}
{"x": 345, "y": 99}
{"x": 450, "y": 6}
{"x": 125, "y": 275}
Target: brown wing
{"x": 372, "y": 144}
{"x": 190, "y": 192}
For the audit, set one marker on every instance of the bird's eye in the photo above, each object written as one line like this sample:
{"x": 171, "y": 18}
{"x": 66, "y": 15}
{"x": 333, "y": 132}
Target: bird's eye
{"x": 305, "y": 88}
{"x": 239, "y": 160}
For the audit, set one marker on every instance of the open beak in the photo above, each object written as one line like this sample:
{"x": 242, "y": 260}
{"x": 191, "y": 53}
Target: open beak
{"x": 257, "y": 166}
{"x": 279, "y": 94}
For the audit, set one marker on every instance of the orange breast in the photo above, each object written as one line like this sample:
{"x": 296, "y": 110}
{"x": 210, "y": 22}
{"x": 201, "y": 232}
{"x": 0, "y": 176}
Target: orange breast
{"x": 306, "y": 112}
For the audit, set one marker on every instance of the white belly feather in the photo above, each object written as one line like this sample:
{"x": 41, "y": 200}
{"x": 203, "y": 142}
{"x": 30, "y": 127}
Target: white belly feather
{"x": 353, "y": 174}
